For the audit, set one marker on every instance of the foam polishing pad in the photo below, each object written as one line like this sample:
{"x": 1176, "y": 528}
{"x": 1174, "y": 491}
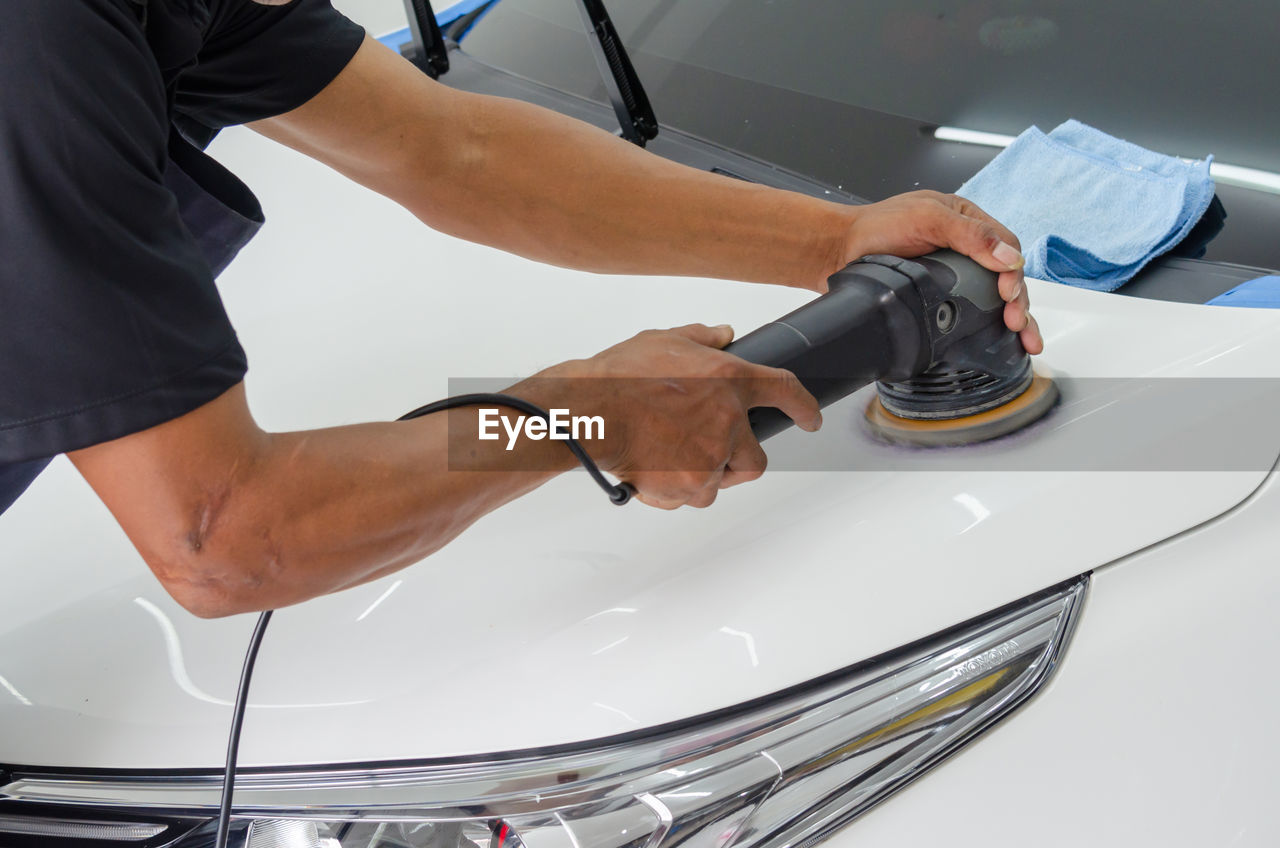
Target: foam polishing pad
{"x": 1030, "y": 406}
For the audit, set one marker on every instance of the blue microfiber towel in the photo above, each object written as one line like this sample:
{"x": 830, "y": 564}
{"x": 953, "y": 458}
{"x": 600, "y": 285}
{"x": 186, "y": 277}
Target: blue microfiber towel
{"x": 1090, "y": 209}
{"x": 1258, "y": 293}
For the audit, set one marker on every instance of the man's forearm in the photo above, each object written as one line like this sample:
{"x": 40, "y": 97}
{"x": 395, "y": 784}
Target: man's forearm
{"x": 542, "y": 185}
{"x": 537, "y": 183}
{"x": 551, "y": 188}
{"x": 236, "y": 519}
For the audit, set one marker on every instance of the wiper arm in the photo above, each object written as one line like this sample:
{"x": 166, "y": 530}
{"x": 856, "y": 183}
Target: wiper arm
{"x": 630, "y": 103}
{"x": 426, "y": 48}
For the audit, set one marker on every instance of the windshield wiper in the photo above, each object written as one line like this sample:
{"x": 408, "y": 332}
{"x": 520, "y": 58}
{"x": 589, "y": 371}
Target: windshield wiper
{"x": 426, "y": 47}
{"x": 630, "y": 103}
{"x": 428, "y": 51}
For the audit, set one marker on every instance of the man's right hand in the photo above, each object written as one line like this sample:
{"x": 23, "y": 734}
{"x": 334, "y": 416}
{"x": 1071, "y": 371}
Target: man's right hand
{"x": 675, "y": 411}
{"x": 232, "y": 518}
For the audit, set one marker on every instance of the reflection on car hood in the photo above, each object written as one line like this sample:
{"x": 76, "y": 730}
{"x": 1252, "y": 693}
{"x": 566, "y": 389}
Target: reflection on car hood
{"x": 561, "y": 617}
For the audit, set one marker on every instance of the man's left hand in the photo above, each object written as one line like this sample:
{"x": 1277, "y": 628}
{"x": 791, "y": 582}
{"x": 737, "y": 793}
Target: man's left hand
{"x": 921, "y": 222}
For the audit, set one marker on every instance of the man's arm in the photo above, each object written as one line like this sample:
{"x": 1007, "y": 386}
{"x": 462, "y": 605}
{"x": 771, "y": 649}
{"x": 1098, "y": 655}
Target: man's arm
{"x": 542, "y": 185}
{"x": 232, "y": 519}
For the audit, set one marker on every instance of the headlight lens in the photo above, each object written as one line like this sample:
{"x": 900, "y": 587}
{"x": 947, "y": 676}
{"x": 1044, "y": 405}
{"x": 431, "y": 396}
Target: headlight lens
{"x": 786, "y": 771}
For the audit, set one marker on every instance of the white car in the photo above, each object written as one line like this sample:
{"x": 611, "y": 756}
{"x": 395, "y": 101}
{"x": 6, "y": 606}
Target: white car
{"x": 1077, "y": 618}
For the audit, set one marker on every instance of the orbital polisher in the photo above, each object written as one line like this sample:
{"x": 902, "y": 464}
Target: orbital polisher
{"x": 929, "y": 331}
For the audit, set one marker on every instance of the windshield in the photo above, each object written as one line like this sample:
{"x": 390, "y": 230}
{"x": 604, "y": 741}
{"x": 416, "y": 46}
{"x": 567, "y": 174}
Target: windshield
{"x": 849, "y": 93}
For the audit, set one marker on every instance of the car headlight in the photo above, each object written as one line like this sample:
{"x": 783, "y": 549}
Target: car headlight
{"x": 784, "y": 771}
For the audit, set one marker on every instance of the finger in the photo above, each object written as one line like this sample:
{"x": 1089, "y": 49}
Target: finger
{"x": 782, "y": 390}
{"x": 657, "y": 502}
{"x": 1011, "y": 283}
{"x": 716, "y": 337}
{"x": 674, "y": 497}
{"x": 746, "y": 464}
{"x": 969, "y": 209}
{"x": 704, "y": 498}
{"x": 981, "y": 239}
{"x": 1018, "y": 319}
{"x": 1012, "y": 286}
{"x": 1015, "y": 316}
{"x": 1032, "y": 340}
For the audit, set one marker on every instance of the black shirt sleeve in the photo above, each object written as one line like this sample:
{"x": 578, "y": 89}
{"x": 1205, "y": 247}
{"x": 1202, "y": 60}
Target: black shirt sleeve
{"x": 260, "y": 61}
{"x": 109, "y": 319}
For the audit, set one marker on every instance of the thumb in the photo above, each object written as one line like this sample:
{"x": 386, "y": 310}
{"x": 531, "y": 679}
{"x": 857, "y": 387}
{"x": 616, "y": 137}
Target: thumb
{"x": 716, "y": 337}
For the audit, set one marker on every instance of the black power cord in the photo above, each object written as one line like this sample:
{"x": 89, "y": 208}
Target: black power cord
{"x": 619, "y": 494}
{"x": 237, "y": 719}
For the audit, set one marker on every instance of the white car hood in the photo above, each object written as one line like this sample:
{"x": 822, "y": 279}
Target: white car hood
{"x": 561, "y": 617}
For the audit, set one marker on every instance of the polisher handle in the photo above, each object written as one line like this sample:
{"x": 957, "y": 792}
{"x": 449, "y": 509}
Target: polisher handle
{"x": 889, "y": 319}
{"x": 868, "y": 326}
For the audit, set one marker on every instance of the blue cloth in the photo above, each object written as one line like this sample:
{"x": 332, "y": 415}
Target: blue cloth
{"x": 1260, "y": 293}
{"x": 444, "y": 17}
{"x": 1090, "y": 210}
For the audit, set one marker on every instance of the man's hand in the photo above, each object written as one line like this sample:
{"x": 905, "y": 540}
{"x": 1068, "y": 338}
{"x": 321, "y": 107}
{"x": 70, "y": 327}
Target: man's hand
{"x": 921, "y": 222}
{"x": 675, "y": 410}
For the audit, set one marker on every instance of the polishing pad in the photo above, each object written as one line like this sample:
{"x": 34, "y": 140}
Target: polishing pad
{"x": 1027, "y": 407}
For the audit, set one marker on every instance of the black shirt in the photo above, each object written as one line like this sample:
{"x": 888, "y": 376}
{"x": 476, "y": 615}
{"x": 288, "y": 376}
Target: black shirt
{"x": 113, "y": 222}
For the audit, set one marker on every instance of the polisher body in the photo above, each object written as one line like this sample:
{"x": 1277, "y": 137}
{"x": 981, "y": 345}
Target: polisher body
{"x": 930, "y": 331}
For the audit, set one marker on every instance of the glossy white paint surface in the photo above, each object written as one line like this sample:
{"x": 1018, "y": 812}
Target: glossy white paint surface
{"x": 1159, "y": 729}
{"x": 563, "y": 618}
{"x": 380, "y": 16}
